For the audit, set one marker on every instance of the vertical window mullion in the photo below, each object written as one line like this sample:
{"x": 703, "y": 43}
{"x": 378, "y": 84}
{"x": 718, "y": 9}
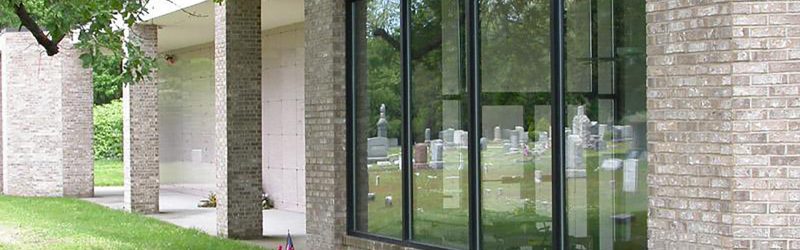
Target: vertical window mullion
{"x": 473, "y": 83}
{"x": 406, "y": 144}
{"x": 351, "y": 111}
{"x": 558, "y": 124}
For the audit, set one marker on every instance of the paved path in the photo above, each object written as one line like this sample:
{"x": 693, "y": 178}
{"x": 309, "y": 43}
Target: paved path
{"x": 179, "y": 207}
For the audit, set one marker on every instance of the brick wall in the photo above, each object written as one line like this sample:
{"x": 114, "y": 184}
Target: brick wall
{"x": 237, "y": 50}
{"x": 722, "y": 132}
{"x": 47, "y": 117}
{"x": 325, "y": 105}
{"x": 140, "y": 131}
{"x": 766, "y": 129}
{"x": 76, "y": 104}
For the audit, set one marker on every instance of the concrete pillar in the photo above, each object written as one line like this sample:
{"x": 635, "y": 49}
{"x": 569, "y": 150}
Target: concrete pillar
{"x": 47, "y": 119}
{"x": 140, "y": 130}
{"x": 326, "y": 161}
{"x": 237, "y": 50}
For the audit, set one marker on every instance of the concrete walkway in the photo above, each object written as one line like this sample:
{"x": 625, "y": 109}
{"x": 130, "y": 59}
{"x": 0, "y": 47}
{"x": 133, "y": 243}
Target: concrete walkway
{"x": 179, "y": 207}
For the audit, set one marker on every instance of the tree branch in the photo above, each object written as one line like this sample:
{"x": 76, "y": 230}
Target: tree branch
{"x": 51, "y": 46}
{"x": 422, "y": 51}
{"x": 379, "y": 32}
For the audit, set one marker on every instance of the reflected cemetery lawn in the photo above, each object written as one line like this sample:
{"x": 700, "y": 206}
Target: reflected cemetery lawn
{"x": 517, "y": 202}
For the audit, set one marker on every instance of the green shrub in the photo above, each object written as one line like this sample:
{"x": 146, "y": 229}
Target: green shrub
{"x": 108, "y": 130}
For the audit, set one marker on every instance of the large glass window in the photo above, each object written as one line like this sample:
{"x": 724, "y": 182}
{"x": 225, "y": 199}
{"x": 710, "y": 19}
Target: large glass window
{"x": 454, "y": 107}
{"x": 377, "y": 118}
{"x": 439, "y": 123}
{"x": 606, "y": 143}
{"x": 516, "y": 107}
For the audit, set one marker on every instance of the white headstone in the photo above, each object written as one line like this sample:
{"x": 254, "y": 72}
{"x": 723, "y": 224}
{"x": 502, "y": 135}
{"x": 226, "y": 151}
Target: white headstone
{"x": 629, "y": 175}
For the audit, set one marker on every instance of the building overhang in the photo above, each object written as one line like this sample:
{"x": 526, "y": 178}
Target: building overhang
{"x": 186, "y": 23}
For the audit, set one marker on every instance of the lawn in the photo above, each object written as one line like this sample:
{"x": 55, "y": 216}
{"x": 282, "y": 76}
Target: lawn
{"x": 516, "y": 209}
{"x": 64, "y": 223}
{"x": 107, "y": 173}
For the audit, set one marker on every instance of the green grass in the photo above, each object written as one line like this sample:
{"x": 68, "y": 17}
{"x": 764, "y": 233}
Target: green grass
{"x": 512, "y": 217}
{"x": 64, "y": 223}
{"x": 108, "y": 173}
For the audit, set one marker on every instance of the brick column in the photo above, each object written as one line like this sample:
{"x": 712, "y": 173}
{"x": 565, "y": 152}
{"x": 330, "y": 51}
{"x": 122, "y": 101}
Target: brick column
{"x": 140, "y": 130}
{"x": 325, "y": 97}
{"x": 766, "y": 130}
{"x": 723, "y": 122}
{"x": 47, "y": 123}
{"x": 237, "y": 49}
{"x": 77, "y": 98}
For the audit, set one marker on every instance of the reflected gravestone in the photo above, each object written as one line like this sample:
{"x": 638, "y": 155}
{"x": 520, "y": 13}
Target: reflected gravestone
{"x": 576, "y": 166}
{"x": 514, "y": 142}
{"x": 523, "y": 137}
{"x": 498, "y": 134}
{"x": 447, "y": 136}
{"x": 629, "y": 175}
{"x": 427, "y": 135}
{"x": 484, "y": 143}
{"x": 420, "y": 155}
{"x": 382, "y": 123}
{"x": 388, "y": 201}
{"x": 378, "y": 147}
{"x": 581, "y": 126}
{"x": 437, "y": 154}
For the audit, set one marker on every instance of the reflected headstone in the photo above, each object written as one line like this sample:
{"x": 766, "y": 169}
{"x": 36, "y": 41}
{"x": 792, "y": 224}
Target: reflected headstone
{"x": 447, "y": 135}
{"x": 629, "y": 175}
{"x": 371, "y": 196}
{"x": 420, "y": 155}
{"x": 514, "y": 142}
{"x": 498, "y": 134}
{"x": 581, "y": 126}
{"x": 523, "y": 137}
{"x": 382, "y": 123}
{"x": 377, "y": 180}
{"x": 377, "y": 149}
{"x": 427, "y": 135}
{"x": 388, "y": 201}
{"x": 576, "y": 166}
{"x": 611, "y": 164}
{"x": 484, "y": 143}
{"x": 437, "y": 154}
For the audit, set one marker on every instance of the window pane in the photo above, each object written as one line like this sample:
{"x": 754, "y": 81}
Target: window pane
{"x": 439, "y": 124}
{"x": 515, "y": 145}
{"x": 606, "y": 151}
{"x": 377, "y": 118}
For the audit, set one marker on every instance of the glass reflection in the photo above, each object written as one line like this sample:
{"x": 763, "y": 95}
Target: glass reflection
{"x": 439, "y": 124}
{"x": 515, "y": 139}
{"x": 606, "y": 151}
{"x": 378, "y": 179}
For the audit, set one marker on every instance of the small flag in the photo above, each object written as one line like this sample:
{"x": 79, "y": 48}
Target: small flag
{"x": 289, "y": 243}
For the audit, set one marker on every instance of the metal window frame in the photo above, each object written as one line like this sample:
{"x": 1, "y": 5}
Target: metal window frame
{"x": 558, "y": 113}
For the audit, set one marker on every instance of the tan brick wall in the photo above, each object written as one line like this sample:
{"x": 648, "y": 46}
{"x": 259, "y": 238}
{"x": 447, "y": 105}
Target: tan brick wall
{"x": 721, "y": 100}
{"x": 237, "y": 50}
{"x": 325, "y": 116}
{"x": 766, "y": 130}
{"x": 47, "y": 123}
{"x": 140, "y": 131}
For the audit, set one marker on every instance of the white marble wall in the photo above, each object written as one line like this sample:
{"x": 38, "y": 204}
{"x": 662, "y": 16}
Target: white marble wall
{"x": 283, "y": 117}
{"x": 186, "y": 117}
